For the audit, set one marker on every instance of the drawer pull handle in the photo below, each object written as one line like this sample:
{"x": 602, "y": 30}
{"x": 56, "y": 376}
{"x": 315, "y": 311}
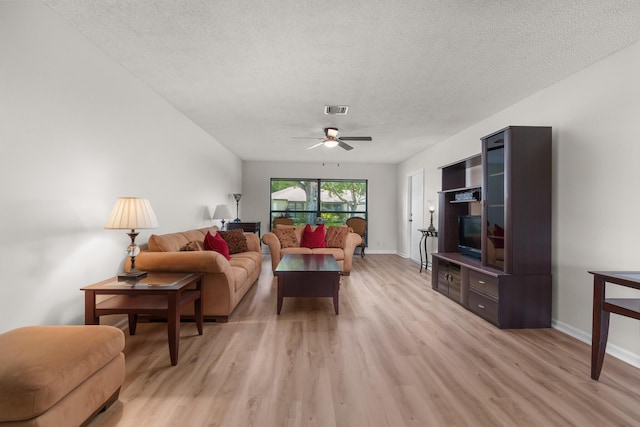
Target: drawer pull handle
{"x": 481, "y": 282}
{"x": 481, "y": 306}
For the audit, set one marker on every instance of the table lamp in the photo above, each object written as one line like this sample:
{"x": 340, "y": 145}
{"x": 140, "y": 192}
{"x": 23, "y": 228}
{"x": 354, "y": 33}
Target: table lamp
{"x": 432, "y": 209}
{"x": 237, "y": 196}
{"x": 131, "y": 213}
{"x": 222, "y": 212}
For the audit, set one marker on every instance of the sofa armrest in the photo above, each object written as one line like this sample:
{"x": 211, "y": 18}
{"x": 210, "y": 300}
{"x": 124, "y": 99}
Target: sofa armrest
{"x": 273, "y": 242}
{"x": 253, "y": 242}
{"x": 352, "y": 241}
{"x": 350, "y": 244}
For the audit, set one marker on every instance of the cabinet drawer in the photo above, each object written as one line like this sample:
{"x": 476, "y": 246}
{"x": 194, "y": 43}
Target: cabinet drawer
{"x": 484, "y": 283}
{"x": 484, "y": 306}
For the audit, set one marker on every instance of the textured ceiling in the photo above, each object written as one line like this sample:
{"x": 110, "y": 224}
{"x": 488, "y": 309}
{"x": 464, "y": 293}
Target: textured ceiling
{"x": 255, "y": 73}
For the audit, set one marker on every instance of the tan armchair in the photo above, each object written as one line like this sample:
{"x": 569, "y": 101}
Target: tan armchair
{"x": 359, "y": 226}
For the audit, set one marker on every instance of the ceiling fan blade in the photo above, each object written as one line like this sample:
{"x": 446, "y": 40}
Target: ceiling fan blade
{"x": 344, "y": 145}
{"x": 315, "y": 145}
{"x": 305, "y": 137}
{"x": 356, "y": 138}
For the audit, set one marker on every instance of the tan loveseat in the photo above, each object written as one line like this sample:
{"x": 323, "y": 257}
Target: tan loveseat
{"x": 225, "y": 282}
{"x": 343, "y": 255}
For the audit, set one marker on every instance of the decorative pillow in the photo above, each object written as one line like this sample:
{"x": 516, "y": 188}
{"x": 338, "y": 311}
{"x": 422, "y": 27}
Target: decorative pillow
{"x": 216, "y": 243}
{"x": 236, "y": 240}
{"x": 313, "y": 238}
{"x": 287, "y": 237}
{"x": 193, "y": 245}
{"x": 336, "y": 236}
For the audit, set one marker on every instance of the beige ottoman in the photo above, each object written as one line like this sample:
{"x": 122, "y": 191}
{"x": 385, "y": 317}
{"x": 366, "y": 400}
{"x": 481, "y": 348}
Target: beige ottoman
{"x": 59, "y": 375}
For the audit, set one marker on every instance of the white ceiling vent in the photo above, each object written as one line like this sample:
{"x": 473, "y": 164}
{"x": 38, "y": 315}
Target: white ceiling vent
{"x": 339, "y": 110}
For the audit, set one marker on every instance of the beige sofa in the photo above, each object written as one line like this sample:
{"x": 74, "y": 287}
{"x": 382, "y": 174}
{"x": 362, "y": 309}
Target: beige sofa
{"x": 225, "y": 282}
{"x": 343, "y": 255}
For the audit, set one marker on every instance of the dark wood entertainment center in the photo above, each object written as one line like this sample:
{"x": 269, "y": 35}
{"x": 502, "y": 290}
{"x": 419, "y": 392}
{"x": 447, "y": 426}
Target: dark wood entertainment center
{"x": 509, "y": 186}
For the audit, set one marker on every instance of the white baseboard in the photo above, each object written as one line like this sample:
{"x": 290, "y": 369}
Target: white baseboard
{"x": 368, "y": 251}
{"x": 627, "y": 356}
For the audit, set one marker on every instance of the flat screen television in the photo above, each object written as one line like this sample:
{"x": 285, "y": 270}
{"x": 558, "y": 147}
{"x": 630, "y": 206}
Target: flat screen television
{"x": 470, "y": 235}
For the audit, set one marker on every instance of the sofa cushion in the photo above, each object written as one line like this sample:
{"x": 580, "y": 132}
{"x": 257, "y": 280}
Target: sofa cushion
{"x": 287, "y": 237}
{"x": 216, "y": 243}
{"x": 336, "y": 236}
{"x": 39, "y": 365}
{"x": 245, "y": 263}
{"x": 338, "y": 253}
{"x": 313, "y": 238}
{"x": 302, "y": 251}
{"x": 236, "y": 240}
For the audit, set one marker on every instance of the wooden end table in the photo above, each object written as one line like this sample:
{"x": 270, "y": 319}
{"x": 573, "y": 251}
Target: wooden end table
{"x": 312, "y": 275}
{"x": 159, "y": 294}
{"x": 603, "y": 307}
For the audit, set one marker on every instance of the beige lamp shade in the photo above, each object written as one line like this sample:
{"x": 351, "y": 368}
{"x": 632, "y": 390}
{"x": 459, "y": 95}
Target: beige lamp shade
{"x": 222, "y": 212}
{"x": 132, "y": 213}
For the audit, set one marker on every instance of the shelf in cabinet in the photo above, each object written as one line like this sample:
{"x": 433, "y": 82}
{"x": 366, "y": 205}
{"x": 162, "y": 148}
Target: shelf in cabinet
{"x": 463, "y": 189}
{"x": 464, "y": 201}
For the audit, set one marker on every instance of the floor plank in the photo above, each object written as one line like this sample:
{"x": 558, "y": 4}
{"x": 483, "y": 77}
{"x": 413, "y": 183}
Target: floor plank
{"x": 399, "y": 354}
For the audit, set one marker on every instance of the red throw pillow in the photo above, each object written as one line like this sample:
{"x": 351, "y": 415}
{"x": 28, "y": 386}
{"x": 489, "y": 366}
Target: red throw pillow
{"x": 216, "y": 243}
{"x": 313, "y": 239}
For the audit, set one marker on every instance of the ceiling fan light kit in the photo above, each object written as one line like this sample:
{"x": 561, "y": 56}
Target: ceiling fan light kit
{"x": 332, "y": 140}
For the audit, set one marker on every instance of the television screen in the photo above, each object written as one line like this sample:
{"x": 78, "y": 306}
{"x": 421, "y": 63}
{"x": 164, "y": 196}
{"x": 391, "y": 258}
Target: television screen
{"x": 470, "y": 235}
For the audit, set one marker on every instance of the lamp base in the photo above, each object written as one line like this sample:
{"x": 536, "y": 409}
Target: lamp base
{"x": 132, "y": 275}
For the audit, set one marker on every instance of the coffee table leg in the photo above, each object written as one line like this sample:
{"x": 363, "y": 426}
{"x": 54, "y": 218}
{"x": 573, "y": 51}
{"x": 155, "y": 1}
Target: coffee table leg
{"x": 197, "y": 306}
{"x": 280, "y": 279}
{"x": 173, "y": 326}
{"x": 336, "y": 292}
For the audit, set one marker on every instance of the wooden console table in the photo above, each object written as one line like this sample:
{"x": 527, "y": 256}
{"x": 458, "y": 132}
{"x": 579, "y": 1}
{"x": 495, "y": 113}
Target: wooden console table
{"x": 603, "y": 307}
{"x": 248, "y": 227}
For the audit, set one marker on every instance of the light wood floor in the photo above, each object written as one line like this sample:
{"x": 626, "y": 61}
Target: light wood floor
{"x": 399, "y": 354}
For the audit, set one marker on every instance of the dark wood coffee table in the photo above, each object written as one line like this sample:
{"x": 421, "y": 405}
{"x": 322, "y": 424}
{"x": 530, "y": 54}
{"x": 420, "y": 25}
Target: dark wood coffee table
{"x": 158, "y": 294}
{"x": 308, "y": 276}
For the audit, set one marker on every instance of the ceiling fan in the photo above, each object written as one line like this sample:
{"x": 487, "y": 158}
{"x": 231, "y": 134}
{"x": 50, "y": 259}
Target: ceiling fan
{"x": 331, "y": 139}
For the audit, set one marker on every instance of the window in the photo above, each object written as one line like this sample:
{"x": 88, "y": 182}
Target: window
{"x": 312, "y": 201}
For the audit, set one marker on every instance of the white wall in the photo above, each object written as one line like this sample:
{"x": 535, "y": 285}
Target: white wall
{"x": 77, "y": 131}
{"x": 382, "y": 216}
{"x": 596, "y": 147}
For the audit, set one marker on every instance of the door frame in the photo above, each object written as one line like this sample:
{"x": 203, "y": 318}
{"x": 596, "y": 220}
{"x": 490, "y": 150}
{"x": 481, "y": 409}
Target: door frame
{"x": 415, "y": 196}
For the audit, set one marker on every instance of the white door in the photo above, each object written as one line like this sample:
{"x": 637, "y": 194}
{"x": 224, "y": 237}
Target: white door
{"x": 416, "y": 213}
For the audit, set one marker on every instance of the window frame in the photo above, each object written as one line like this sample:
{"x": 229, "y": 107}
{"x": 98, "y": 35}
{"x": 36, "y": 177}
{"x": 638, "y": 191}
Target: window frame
{"x": 318, "y": 212}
